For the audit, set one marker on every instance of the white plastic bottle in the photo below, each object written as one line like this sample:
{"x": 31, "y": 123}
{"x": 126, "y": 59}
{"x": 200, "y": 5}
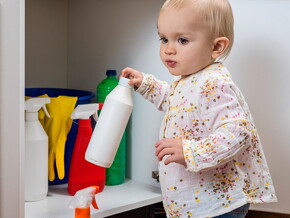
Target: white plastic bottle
{"x": 36, "y": 151}
{"x": 111, "y": 125}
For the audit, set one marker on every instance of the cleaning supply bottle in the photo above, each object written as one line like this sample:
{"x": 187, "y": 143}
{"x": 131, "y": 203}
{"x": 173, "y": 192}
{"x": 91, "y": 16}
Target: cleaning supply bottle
{"x": 115, "y": 175}
{"x": 109, "y": 130}
{"x": 83, "y": 173}
{"x": 107, "y": 85}
{"x": 36, "y": 151}
{"x": 82, "y": 201}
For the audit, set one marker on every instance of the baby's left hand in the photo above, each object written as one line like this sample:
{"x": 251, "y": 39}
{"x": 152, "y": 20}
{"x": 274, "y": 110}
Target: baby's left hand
{"x": 172, "y": 147}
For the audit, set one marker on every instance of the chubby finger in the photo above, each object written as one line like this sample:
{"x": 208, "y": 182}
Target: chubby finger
{"x": 159, "y": 149}
{"x": 164, "y": 152}
{"x": 161, "y": 141}
{"x": 126, "y": 72}
{"x": 170, "y": 159}
{"x": 159, "y": 146}
{"x": 130, "y": 73}
{"x": 158, "y": 143}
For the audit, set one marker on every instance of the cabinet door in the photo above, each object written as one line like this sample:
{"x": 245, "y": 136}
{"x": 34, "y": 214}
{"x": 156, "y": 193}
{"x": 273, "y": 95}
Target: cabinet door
{"x": 11, "y": 108}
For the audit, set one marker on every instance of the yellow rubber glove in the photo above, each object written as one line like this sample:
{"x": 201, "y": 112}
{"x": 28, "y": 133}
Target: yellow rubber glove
{"x": 57, "y": 128}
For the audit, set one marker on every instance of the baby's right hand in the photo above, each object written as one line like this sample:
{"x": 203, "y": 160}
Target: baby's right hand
{"x": 135, "y": 76}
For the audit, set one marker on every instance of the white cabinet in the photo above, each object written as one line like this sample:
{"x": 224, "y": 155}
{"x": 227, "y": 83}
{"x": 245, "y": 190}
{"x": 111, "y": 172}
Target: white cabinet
{"x": 71, "y": 44}
{"x": 11, "y": 108}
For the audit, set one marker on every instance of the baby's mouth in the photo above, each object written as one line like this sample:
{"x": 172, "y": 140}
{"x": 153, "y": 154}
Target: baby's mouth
{"x": 171, "y": 63}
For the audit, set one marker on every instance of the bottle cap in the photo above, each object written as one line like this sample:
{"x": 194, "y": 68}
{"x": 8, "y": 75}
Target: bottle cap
{"x": 111, "y": 73}
{"x": 124, "y": 82}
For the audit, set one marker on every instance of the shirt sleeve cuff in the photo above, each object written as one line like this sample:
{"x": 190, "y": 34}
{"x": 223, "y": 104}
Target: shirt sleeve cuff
{"x": 145, "y": 83}
{"x": 191, "y": 164}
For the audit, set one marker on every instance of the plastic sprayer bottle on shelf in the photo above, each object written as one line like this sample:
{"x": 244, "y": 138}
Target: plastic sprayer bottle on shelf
{"x": 82, "y": 201}
{"x": 83, "y": 173}
{"x": 109, "y": 131}
{"x": 36, "y": 151}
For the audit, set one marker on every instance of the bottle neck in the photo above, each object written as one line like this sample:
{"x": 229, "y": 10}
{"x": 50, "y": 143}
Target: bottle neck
{"x": 82, "y": 213}
{"x": 31, "y": 116}
{"x": 111, "y": 77}
{"x": 85, "y": 123}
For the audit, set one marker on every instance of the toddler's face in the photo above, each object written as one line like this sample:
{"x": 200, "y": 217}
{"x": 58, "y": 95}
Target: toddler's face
{"x": 186, "y": 44}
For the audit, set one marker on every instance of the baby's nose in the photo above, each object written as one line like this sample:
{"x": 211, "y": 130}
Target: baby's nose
{"x": 170, "y": 49}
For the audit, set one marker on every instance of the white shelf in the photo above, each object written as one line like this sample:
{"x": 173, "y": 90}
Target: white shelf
{"x": 113, "y": 200}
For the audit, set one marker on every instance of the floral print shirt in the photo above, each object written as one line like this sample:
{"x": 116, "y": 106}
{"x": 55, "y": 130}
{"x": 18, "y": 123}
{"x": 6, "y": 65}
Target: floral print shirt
{"x": 225, "y": 164}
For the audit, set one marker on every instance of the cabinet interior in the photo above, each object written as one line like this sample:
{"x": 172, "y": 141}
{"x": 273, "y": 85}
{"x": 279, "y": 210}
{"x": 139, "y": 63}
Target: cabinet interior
{"x": 71, "y": 44}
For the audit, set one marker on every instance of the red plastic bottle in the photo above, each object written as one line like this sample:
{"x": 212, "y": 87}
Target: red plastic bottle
{"x": 82, "y": 173}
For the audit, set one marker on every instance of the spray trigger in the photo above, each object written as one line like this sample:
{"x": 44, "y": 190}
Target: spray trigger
{"x": 95, "y": 115}
{"x": 45, "y": 111}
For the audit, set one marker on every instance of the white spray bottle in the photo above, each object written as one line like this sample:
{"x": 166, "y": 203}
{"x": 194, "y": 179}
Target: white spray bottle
{"x": 36, "y": 151}
{"x": 111, "y": 125}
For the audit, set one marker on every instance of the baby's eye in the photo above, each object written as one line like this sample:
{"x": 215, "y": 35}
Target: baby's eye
{"x": 163, "y": 40}
{"x": 183, "y": 41}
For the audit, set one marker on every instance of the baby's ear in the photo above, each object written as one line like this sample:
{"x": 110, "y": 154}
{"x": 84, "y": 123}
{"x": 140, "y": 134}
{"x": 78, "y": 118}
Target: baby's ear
{"x": 220, "y": 44}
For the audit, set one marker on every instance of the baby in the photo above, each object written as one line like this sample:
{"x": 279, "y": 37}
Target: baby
{"x": 211, "y": 161}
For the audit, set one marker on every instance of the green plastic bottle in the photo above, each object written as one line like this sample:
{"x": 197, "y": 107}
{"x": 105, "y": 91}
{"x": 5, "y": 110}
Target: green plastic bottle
{"x": 115, "y": 175}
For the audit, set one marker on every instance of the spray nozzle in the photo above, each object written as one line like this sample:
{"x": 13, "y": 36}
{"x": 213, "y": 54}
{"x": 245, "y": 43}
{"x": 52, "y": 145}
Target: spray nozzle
{"x": 33, "y": 105}
{"x": 84, "y": 111}
{"x": 82, "y": 201}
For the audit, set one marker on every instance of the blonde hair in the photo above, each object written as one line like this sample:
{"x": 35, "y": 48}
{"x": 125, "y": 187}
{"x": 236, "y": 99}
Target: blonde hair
{"x": 217, "y": 14}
